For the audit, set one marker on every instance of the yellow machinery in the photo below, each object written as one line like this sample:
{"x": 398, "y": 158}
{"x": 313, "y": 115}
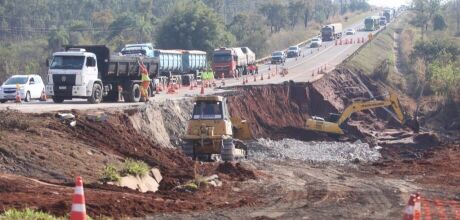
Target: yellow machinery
{"x": 212, "y": 134}
{"x": 335, "y": 123}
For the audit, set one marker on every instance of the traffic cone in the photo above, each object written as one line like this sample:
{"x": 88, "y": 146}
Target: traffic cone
{"x": 261, "y": 76}
{"x": 202, "y": 90}
{"x": 255, "y": 79}
{"x": 43, "y": 95}
{"x": 191, "y": 85}
{"x": 18, "y": 97}
{"x": 335, "y": 42}
{"x": 269, "y": 74}
{"x": 409, "y": 210}
{"x": 340, "y": 41}
{"x": 417, "y": 207}
{"x": 78, "y": 211}
{"x": 244, "y": 81}
{"x": 362, "y": 40}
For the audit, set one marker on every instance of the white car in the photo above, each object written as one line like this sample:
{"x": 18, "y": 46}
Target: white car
{"x": 30, "y": 87}
{"x": 350, "y": 31}
{"x": 316, "y": 42}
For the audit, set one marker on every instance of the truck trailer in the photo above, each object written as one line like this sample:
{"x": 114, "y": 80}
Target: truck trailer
{"x": 331, "y": 32}
{"x": 93, "y": 73}
{"x": 372, "y": 23}
{"x": 233, "y": 61}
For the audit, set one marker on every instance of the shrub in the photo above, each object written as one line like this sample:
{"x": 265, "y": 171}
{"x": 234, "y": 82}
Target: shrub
{"x": 135, "y": 168}
{"x": 110, "y": 174}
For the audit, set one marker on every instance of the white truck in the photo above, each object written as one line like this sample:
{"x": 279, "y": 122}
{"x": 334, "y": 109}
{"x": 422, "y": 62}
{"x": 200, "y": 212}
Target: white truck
{"x": 92, "y": 73}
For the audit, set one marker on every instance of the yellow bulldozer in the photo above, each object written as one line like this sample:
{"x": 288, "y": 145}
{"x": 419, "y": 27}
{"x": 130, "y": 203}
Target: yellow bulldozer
{"x": 212, "y": 134}
{"x": 336, "y": 123}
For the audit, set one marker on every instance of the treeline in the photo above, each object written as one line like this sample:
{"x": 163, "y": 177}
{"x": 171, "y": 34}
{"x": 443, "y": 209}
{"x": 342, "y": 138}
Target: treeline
{"x": 31, "y": 30}
{"x": 434, "y": 58}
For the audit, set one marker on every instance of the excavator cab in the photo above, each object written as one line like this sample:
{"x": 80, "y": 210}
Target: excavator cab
{"x": 211, "y": 132}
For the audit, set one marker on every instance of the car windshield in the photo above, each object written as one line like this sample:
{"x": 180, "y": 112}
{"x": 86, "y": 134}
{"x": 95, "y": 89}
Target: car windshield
{"x": 276, "y": 54}
{"x": 208, "y": 110}
{"x": 315, "y": 40}
{"x": 16, "y": 80}
{"x": 222, "y": 58}
{"x": 350, "y": 30}
{"x": 292, "y": 48}
{"x": 68, "y": 62}
{"x": 369, "y": 21}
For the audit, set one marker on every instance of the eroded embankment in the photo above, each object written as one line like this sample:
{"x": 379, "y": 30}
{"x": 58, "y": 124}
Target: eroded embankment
{"x": 280, "y": 111}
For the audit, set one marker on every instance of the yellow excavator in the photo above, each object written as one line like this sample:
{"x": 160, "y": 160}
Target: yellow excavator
{"x": 336, "y": 123}
{"x": 212, "y": 134}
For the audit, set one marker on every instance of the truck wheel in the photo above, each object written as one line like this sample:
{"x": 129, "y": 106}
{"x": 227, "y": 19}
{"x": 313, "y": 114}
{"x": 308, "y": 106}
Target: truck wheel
{"x": 58, "y": 99}
{"x": 96, "y": 96}
{"x": 134, "y": 94}
{"x": 3, "y": 101}
{"x": 27, "y": 98}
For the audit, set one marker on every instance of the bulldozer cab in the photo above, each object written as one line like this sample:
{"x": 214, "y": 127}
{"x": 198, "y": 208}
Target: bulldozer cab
{"x": 208, "y": 110}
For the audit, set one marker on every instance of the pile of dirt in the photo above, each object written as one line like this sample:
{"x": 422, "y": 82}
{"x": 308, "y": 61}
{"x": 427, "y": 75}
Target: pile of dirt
{"x": 237, "y": 171}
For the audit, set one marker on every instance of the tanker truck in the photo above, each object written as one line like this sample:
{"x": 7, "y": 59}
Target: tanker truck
{"x": 92, "y": 73}
{"x": 233, "y": 61}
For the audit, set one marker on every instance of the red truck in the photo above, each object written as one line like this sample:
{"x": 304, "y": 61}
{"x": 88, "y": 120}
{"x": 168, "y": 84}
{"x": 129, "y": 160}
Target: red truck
{"x": 233, "y": 62}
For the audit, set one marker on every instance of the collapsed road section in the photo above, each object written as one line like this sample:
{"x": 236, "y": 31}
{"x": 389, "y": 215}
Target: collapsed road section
{"x": 41, "y": 154}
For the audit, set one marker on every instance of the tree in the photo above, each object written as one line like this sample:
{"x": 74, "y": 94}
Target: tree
{"x": 57, "y": 38}
{"x": 438, "y": 23}
{"x": 425, "y": 10}
{"x": 193, "y": 26}
{"x": 276, "y": 14}
{"x": 295, "y": 12}
{"x": 249, "y": 31}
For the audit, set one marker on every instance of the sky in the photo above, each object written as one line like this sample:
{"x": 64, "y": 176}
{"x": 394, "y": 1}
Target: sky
{"x": 388, "y": 3}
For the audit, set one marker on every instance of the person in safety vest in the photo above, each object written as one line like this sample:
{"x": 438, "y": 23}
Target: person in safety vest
{"x": 145, "y": 81}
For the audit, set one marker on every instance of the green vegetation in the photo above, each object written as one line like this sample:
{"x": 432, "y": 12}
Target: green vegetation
{"x": 135, "y": 168}
{"x": 26, "y": 214}
{"x": 110, "y": 174}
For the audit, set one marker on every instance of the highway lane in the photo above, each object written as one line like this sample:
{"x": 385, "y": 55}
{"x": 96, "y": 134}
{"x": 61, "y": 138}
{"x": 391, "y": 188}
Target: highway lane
{"x": 301, "y": 69}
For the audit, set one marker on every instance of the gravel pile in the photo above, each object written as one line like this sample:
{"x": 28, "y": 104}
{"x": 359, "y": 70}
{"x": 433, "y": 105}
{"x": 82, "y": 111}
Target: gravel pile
{"x": 315, "y": 152}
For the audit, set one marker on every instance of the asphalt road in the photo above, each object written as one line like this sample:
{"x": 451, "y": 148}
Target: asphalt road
{"x": 301, "y": 69}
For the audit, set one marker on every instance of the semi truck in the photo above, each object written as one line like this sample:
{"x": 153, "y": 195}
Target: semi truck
{"x": 233, "y": 61}
{"x": 93, "y": 73}
{"x": 182, "y": 64}
{"x": 372, "y": 23}
{"x": 389, "y": 14}
{"x": 331, "y": 32}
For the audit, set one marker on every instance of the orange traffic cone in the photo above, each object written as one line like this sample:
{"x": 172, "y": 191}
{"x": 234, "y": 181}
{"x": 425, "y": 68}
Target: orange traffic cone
{"x": 157, "y": 89}
{"x": 244, "y": 81}
{"x": 261, "y": 76}
{"x": 43, "y": 95}
{"x": 336, "y": 42}
{"x": 191, "y": 85}
{"x": 409, "y": 211}
{"x": 362, "y": 40}
{"x": 417, "y": 207}
{"x": 269, "y": 74}
{"x": 202, "y": 90}
{"x": 255, "y": 79}
{"x": 171, "y": 89}
{"x": 18, "y": 97}
{"x": 340, "y": 42}
{"x": 78, "y": 201}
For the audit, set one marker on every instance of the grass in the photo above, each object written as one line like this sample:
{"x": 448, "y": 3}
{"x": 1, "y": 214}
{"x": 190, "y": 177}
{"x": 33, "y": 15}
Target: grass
{"x": 27, "y": 214}
{"x": 135, "y": 168}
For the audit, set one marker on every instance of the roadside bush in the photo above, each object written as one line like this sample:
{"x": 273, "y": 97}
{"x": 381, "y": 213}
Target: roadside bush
{"x": 26, "y": 214}
{"x": 135, "y": 168}
{"x": 110, "y": 174}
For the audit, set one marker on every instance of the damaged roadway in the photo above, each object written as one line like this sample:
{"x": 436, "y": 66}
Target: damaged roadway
{"x": 40, "y": 157}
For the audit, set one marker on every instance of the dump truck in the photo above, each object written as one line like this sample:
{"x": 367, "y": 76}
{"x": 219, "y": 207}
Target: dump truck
{"x": 182, "y": 64}
{"x": 331, "y": 32}
{"x": 93, "y": 73}
{"x": 389, "y": 14}
{"x": 233, "y": 61}
{"x": 212, "y": 134}
{"x": 372, "y": 23}
{"x": 337, "y": 122}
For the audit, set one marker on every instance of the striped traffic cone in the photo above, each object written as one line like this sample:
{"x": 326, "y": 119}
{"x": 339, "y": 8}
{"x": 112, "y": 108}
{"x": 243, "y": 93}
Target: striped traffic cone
{"x": 202, "y": 89}
{"x": 409, "y": 211}
{"x": 417, "y": 207}
{"x": 78, "y": 201}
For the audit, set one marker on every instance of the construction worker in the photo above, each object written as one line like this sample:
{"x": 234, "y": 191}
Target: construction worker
{"x": 145, "y": 81}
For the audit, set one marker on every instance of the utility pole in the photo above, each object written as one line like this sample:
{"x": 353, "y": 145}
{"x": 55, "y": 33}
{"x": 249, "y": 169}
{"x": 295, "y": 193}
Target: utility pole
{"x": 458, "y": 16}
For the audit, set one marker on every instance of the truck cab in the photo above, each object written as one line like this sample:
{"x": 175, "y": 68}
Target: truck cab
{"x": 73, "y": 74}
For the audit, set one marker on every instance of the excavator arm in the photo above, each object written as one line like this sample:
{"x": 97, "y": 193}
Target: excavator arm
{"x": 318, "y": 124}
